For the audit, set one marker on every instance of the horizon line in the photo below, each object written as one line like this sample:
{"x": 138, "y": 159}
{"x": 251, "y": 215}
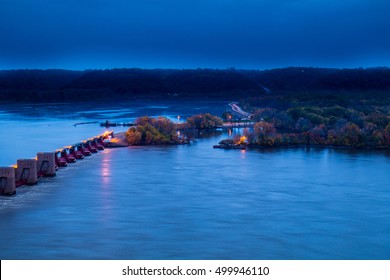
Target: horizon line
{"x": 194, "y": 68}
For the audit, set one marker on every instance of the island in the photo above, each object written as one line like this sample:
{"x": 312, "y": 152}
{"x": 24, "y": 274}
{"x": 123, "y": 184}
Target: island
{"x": 162, "y": 131}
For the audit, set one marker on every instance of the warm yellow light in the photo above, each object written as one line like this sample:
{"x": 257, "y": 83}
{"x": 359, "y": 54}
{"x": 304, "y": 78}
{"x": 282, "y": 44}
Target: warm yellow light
{"x": 242, "y": 140}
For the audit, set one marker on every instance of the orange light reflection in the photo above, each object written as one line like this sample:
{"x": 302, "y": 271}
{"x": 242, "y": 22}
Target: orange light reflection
{"x": 105, "y": 170}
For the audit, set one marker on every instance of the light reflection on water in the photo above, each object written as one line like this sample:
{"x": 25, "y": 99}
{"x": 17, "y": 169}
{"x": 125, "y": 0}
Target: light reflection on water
{"x": 196, "y": 202}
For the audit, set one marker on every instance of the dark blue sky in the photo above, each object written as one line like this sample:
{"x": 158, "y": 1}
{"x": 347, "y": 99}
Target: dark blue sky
{"x": 256, "y": 34}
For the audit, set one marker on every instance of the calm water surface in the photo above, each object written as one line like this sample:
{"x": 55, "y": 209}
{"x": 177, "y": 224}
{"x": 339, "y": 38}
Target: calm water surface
{"x": 191, "y": 202}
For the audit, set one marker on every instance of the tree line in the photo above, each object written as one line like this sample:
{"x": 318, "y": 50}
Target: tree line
{"x": 79, "y": 86}
{"x": 323, "y": 126}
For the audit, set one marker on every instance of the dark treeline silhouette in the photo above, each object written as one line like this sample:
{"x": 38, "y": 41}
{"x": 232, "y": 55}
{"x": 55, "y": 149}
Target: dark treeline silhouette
{"x": 314, "y": 79}
{"x": 58, "y": 85}
{"x": 64, "y": 85}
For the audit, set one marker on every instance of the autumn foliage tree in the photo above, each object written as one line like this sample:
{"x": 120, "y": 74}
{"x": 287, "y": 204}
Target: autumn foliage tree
{"x": 204, "y": 121}
{"x": 152, "y": 131}
{"x": 324, "y": 126}
{"x": 350, "y": 136}
{"x": 264, "y": 133}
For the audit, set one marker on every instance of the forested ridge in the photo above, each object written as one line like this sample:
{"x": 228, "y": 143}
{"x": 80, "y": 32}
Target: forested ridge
{"x": 66, "y": 85}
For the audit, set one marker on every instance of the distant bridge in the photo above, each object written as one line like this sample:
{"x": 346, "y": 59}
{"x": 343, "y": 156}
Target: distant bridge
{"x": 237, "y": 124}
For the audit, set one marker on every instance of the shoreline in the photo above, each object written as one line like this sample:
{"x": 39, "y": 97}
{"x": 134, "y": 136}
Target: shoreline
{"x": 119, "y": 141}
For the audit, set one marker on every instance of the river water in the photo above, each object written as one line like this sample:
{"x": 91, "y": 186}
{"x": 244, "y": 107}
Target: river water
{"x": 188, "y": 202}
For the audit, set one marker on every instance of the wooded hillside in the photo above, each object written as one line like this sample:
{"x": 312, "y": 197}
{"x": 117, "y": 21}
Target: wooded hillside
{"x": 64, "y": 85}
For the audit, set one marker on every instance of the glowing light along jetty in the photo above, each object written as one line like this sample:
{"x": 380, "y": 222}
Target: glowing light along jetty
{"x": 28, "y": 171}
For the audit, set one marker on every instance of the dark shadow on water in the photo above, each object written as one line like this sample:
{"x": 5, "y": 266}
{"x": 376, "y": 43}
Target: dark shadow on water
{"x": 312, "y": 150}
